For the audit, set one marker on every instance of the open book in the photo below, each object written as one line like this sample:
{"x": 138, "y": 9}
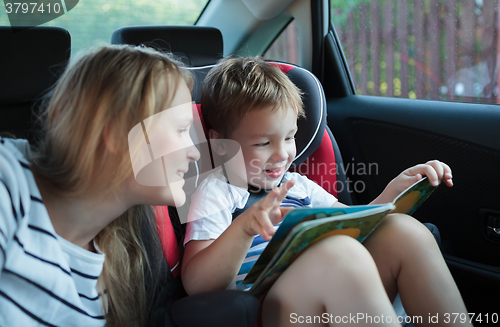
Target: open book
{"x": 304, "y": 226}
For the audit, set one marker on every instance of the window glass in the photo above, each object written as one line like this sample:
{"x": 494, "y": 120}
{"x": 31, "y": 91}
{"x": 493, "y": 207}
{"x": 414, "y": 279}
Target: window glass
{"x": 91, "y": 22}
{"x": 421, "y": 49}
{"x": 286, "y": 46}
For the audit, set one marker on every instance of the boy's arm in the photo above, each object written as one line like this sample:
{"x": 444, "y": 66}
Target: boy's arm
{"x": 213, "y": 264}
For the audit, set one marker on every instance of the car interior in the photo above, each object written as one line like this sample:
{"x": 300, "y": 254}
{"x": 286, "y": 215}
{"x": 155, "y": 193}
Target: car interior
{"x": 347, "y": 127}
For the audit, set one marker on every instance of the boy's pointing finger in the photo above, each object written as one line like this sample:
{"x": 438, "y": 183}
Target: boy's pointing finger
{"x": 271, "y": 199}
{"x": 284, "y": 189}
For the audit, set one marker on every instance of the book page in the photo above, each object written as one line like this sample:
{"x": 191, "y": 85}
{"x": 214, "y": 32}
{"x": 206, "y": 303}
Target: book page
{"x": 409, "y": 200}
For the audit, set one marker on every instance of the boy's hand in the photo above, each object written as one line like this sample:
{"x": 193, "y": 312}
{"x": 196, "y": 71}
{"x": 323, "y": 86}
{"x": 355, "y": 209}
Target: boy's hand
{"x": 261, "y": 217}
{"x": 436, "y": 171}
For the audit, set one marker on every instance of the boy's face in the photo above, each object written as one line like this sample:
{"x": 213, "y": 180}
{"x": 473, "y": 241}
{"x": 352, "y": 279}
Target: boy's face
{"x": 267, "y": 140}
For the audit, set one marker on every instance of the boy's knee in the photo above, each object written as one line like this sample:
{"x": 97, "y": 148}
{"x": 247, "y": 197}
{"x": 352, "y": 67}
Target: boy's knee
{"x": 341, "y": 252}
{"x": 334, "y": 258}
{"x": 406, "y": 227}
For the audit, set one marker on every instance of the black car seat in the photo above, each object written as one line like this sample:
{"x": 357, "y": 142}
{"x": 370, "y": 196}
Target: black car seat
{"x": 31, "y": 61}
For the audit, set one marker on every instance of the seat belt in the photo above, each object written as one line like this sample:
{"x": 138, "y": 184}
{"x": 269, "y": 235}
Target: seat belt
{"x": 256, "y": 194}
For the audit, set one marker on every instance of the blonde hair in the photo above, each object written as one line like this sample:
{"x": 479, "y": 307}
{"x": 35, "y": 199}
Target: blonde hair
{"x": 236, "y": 86}
{"x": 98, "y": 99}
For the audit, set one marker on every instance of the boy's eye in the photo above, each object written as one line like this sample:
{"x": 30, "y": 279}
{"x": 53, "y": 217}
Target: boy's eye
{"x": 290, "y": 138}
{"x": 262, "y": 144}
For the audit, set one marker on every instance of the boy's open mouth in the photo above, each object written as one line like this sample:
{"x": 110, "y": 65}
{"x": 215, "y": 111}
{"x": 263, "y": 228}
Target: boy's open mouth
{"x": 274, "y": 173}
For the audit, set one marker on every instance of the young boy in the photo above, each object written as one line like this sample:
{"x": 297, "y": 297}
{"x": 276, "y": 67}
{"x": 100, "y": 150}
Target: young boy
{"x": 247, "y": 101}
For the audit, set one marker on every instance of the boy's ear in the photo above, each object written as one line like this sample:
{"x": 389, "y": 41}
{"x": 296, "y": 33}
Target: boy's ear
{"x": 217, "y": 142}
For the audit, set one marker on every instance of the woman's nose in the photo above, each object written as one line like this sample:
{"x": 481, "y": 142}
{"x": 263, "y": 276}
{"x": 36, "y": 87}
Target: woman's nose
{"x": 193, "y": 153}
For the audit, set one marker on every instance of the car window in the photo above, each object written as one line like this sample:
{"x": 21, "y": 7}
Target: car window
{"x": 425, "y": 49}
{"x": 286, "y": 46}
{"x": 91, "y": 22}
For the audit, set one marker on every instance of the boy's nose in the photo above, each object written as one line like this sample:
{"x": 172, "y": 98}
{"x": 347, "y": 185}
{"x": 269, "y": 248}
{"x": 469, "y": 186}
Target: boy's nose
{"x": 280, "y": 154}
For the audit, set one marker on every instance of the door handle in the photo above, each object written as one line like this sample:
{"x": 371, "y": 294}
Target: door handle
{"x": 490, "y": 224}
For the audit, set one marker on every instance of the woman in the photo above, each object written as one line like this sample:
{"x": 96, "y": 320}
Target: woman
{"x": 71, "y": 252}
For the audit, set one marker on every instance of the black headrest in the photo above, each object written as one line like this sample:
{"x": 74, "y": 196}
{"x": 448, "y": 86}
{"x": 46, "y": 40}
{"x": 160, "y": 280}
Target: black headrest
{"x": 311, "y": 129}
{"x": 31, "y": 60}
{"x": 194, "y": 45}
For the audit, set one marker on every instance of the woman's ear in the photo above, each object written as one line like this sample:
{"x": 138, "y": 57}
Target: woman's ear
{"x": 109, "y": 139}
{"x": 217, "y": 142}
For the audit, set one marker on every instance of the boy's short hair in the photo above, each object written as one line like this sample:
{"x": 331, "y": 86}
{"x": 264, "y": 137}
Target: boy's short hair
{"x": 236, "y": 86}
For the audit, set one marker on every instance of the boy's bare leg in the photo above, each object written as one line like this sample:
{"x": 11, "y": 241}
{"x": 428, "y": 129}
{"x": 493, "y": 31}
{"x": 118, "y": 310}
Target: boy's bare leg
{"x": 409, "y": 261}
{"x": 335, "y": 278}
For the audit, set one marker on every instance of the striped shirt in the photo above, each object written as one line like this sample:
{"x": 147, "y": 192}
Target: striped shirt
{"x": 44, "y": 279}
{"x": 214, "y": 202}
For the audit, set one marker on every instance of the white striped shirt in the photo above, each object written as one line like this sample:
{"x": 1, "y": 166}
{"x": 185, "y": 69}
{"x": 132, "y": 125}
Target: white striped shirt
{"x": 44, "y": 279}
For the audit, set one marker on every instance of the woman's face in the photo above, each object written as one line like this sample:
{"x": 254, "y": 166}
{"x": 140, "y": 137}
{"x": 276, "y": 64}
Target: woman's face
{"x": 159, "y": 174}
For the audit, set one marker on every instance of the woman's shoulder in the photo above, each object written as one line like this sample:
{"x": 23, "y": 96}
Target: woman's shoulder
{"x": 15, "y": 157}
{"x": 17, "y": 185}
{"x": 19, "y": 148}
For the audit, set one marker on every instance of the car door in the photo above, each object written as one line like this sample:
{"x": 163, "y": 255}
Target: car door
{"x": 399, "y": 93}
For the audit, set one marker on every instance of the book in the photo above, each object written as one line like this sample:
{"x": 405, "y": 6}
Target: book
{"x": 303, "y": 227}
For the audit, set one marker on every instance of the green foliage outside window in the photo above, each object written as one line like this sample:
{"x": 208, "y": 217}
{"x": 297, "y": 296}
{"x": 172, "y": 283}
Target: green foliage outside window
{"x": 92, "y": 22}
